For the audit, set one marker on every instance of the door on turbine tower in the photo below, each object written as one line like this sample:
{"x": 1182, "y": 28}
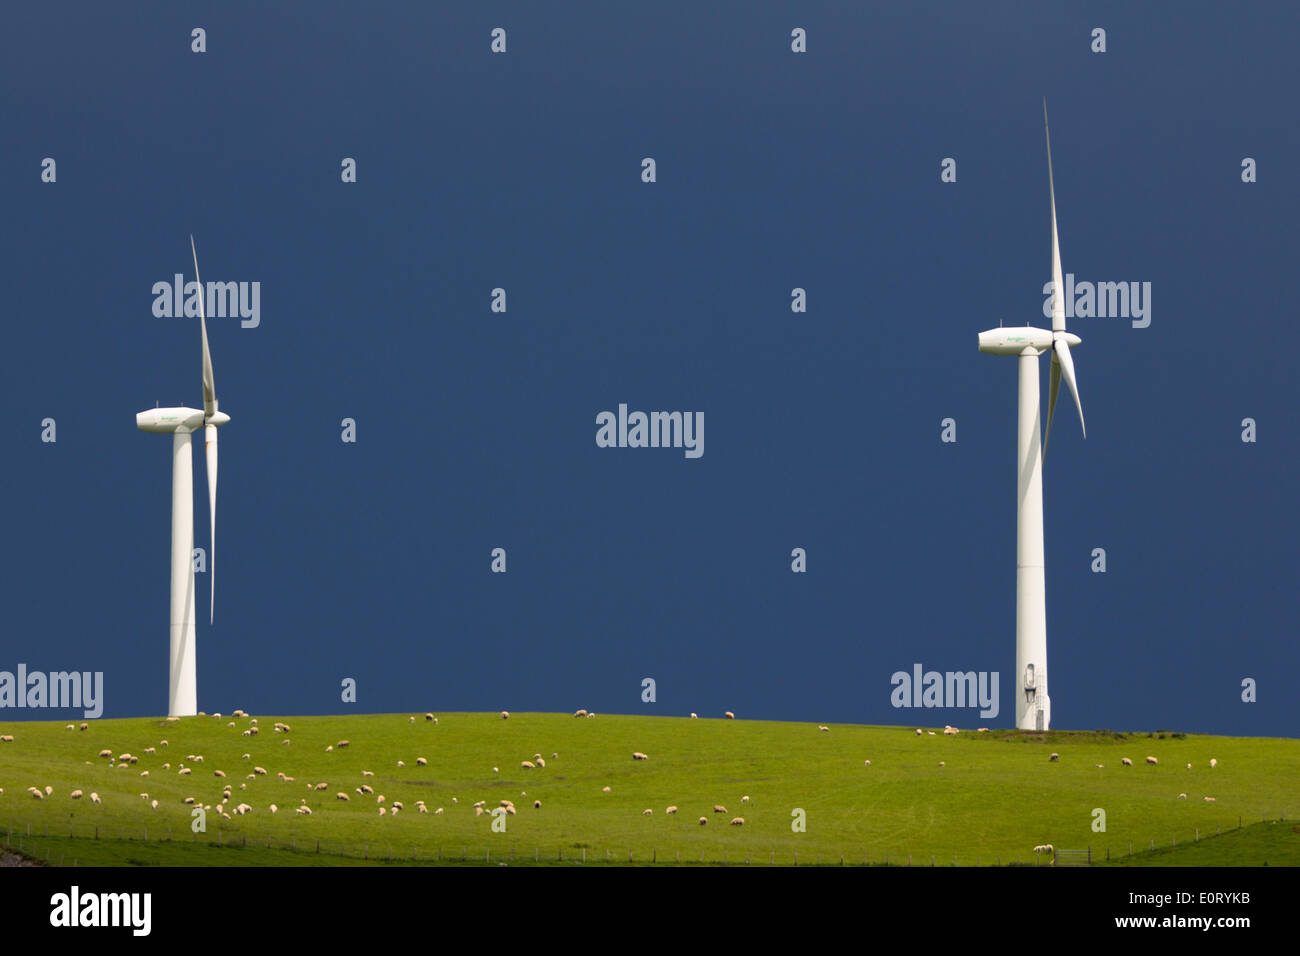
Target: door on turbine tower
{"x": 1039, "y": 719}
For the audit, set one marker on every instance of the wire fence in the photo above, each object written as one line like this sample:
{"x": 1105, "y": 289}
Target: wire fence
{"x": 57, "y": 845}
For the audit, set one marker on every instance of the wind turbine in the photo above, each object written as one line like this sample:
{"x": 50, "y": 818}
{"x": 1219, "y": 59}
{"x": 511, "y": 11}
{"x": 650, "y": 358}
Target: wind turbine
{"x": 1033, "y": 705}
{"x": 182, "y": 691}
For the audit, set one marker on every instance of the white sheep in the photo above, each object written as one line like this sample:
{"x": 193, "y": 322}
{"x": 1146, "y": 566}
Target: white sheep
{"x": 322, "y": 786}
{"x": 823, "y": 728}
{"x": 672, "y": 809}
{"x": 942, "y": 764}
{"x": 1209, "y": 799}
{"x": 1054, "y": 757}
{"x": 703, "y": 820}
{"x": 541, "y": 762}
{"x": 259, "y": 771}
{"x": 719, "y": 808}
{"x": 367, "y": 773}
{"x": 438, "y": 811}
{"x": 1189, "y": 766}
{"x": 537, "y": 804}
{"x": 604, "y": 789}
{"x": 527, "y": 765}
{"x": 729, "y": 715}
{"x": 1182, "y": 796}
{"x": 1126, "y": 762}
{"x": 94, "y": 798}
{"x": 401, "y": 763}
{"x": 580, "y": 713}
{"x": 505, "y": 715}
{"x": 737, "y": 821}
{"x": 342, "y": 796}
{"x": 1152, "y": 761}
{"x": 647, "y": 812}
{"x": 1214, "y": 762}
{"x": 274, "y": 808}
{"x": 638, "y": 755}
{"x": 918, "y": 731}
{"x": 695, "y": 716}
{"x": 344, "y": 743}
{"x": 421, "y": 762}
{"x": 428, "y": 716}
{"x": 76, "y": 794}
{"x": 745, "y": 799}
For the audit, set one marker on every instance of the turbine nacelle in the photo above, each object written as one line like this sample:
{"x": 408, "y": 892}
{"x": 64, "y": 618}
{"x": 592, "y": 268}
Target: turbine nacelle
{"x": 164, "y": 421}
{"x": 1013, "y": 341}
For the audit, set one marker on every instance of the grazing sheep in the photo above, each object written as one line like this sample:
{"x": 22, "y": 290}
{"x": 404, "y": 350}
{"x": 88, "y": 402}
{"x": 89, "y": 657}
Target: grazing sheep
{"x": 218, "y": 773}
{"x": 153, "y": 804}
{"x": 1209, "y": 799}
{"x": 1189, "y": 766}
{"x": 478, "y": 811}
{"x": 231, "y": 724}
{"x": 304, "y": 810}
{"x": 647, "y": 812}
{"x": 162, "y": 743}
{"x": 329, "y": 749}
{"x": 248, "y": 733}
{"x": 1126, "y": 762}
{"x": 274, "y": 808}
{"x": 246, "y": 757}
{"x": 94, "y": 798}
{"x": 745, "y": 799}
{"x": 695, "y": 716}
{"x": 729, "y": 715}
{"x": 737, "y": 821}
{"x": 1152, "y": 761}
{"x": 638, "y": 755}
{"x": 421, "y": 762}
{"x": 71, "y": 727}
{"x": 83, "y": 726}
{"x": 401, "y": 763}
{"x": 380, "y": 799}
{"x": 342, "y": 796}
{"x": 541, "y": 762}
{"x": 144, "y": 796}
{"x": 982, "y": 730}
{"x": 942, "y": 764}
{"x": 537, "y": 804}
{"x": 591, "y": 714}
{"x": 719, "y": 808}
{"x": 1054, "y": 757}
{"x": 1045, "y": 848}
{"x": 150, "y": 750}
{"x": 398, "y": 805}
{"x": 367, "y": 789}
{"x": 930, "y": 732}
{"x": 505, "y": 715}
{"x": 104, "y": 753}
{"x": 422, "y": 808}
{"x": 1214, "y": 761}
{"x": 428, "y": 716}
{"x": 511, "y": 810}
{"x": 438, "y": 811}
{"x": 604, "y": 789}
{"x": 866, "y": 763}
{"x": 382, "y": 811}
{"x": 259, "y": 771}
{"x": 36, "y": 794}
{"x": 144, "y": 773}
{"x": 1182, "y": 796}
{"x": 184, "y": 771}
{"x": 189, "y": 801}
{"x": 949, "y": 731}
{"x": 322, "y": 786}
{"x": 367, "y": 773}
{"x": 527, "y": 765}
{"x": 672, "y": 809}
{"x": 823, "y": 728}
{"x": 580, "y": 713}
{"x": 703, "y": 820}
{"x": 76, "y": 794}
{"x": 344, "y": 743}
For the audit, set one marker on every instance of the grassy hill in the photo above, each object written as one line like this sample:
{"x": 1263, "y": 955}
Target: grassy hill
{"x": 996, "y": 796}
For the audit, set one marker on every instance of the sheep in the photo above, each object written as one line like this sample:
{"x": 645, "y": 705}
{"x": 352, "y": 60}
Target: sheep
{"x": 505, "y": 715}
{"x": 162, "y": 743}
{"x": 866, "y": 763}
{"x": 245, "y": 756}
{"x": 259, "y": 771}
{"x": 437, "y": 812}
{"x": 106, "y": 753}
{"x": 274, "y": 808}
{"x": 37, "y": 795}
{"x": 496, "y": 770}
{"x": 344, "y": 743}
{"x": 580, "y": 713}
{"x": 1054, "y": 757}
{"x": 150, "y": 750}
{"x": 729, "y": 715}
{"x": 527, "y": 765}
{"x": 144, "y": 773}
{"x": 329, "y": 749}
{"x": 71, "y": 727}
{"x": 745, "y": 799}
{"x": 1182, "y": 796}
{"x": 367, "y": 773}
{"x": 1126, "y": 762}
{"x": 76, "y": 794}
{"x": 638, "y": 755}
{"x": 84, "y": 726}
{"x": 144, "y": 796}
{"x": 342, "y": 796}
{"x": 231, "y": 724}
{"x": 737, "y": 821}
{"x": 218, "y": 773}
{"x": 1152, "y": 761}
{"x": 1209, "y": 799}
{"x": 248, "y": 733}
{"x": 695, "y": 716}
{"x": 537, "y": 804}
{"x": 511, "y": 810}
{"x": 367, "y": 789}
{"x": 1045, "y": 848}
{"x": 9, "y": 738}
{"x": 950, "y": 731}
{"x": 401, "y": 763}
{"x": 322, "y": 786}
{"x": 304, "y": 810}
{"x": 428, "y": 717}
{"x": 380, "y": 799}
{"x": 1189, "y": 766}
{"x": 591, "y": 714}
{"x": 942, "y": 764}
{"x": 382, "y": 811}
{"x": 153, "y": 804}
{"x": 239, "y": 713}
{"x": 719, "y": 808}
{"x": 184, "y": 771}
{"x": 647, "y": 812}
{"x": 671, "y": 810}
{"x": 982, "y": 730}
{"x": 421, "y": 762}
{"x": 1214, "y": 762}
{"x": 703, "y": 820}
{"x": 604, "y": 789}
{"x": 930, "y": 732}
{"x": 918, "y": 731}
{"x": 541, "y": 762}
{"x": 398, "y": 805}
{"x": 422, "y": 808}
{"x": 823, "y": 728}
{"x": 478, "y": 811}
{"x": 94, "y": 798}
{"x": 189, "y": 801}
{"x": 411, "y": 720}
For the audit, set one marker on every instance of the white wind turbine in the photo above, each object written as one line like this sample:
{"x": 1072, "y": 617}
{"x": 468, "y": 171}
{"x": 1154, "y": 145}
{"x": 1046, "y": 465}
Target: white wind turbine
{"x": 1033, "y": 705}
{"x": 182, "y": 693}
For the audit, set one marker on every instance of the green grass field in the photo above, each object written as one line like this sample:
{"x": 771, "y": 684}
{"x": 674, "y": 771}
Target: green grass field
{"x": 995, "y": 798}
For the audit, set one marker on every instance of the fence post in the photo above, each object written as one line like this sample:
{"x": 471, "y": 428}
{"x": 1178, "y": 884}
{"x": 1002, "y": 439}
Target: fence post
{"x": 1197, "y": 831}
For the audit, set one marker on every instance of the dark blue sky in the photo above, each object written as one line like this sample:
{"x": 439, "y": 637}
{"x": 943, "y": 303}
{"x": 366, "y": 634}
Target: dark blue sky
{"x": 477, "y": 430}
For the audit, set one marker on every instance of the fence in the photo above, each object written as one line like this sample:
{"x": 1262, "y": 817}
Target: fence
{"x": 56, "y": 849}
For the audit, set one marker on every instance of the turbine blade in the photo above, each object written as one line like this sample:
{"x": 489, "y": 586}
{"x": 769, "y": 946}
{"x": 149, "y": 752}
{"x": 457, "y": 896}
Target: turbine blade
{"x": 209, "y": 388}
{"x": 210, "y": 448}
{"x": 1062, "y": 349}
{"x": 1058, "y": 296}
{"x": 1051, "y": 398}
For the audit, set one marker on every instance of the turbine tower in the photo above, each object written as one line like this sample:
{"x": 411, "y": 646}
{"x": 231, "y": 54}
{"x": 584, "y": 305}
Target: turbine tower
{"x": 1033, "y": 705}
{"x": 182, "y": 687}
